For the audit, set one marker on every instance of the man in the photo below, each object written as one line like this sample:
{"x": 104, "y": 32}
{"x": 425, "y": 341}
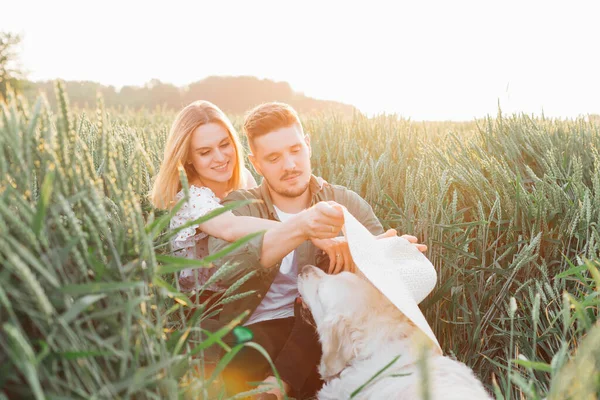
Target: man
{"x": 280, "y": 153}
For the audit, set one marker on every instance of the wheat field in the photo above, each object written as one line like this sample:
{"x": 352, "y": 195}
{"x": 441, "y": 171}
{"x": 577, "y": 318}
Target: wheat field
{"x": 509, "y": 207}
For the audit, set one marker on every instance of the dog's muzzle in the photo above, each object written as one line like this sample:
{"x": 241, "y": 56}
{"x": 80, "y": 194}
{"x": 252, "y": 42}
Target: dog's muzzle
{"x": 309, "y": 270}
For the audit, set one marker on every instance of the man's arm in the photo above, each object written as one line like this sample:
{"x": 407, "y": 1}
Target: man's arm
{"x": 362, "y": 211}
{"x": 367, "y": 217}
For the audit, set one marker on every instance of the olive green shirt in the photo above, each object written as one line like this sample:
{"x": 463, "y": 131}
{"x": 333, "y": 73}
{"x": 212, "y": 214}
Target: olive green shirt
{"x": 247, "y": 257}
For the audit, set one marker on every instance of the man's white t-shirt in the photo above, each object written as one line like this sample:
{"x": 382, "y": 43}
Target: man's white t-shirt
{"x": 279, "y": 300}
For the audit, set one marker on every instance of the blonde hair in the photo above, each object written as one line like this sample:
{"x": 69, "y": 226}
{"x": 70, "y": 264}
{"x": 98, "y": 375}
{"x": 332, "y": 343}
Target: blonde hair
{"x": 269, "y": 117}
{"x": 167, "y": 183}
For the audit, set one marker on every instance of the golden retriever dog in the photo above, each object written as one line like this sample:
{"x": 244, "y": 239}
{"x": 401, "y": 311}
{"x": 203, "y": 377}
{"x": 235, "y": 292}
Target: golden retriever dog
{"x": 361, "y": 332}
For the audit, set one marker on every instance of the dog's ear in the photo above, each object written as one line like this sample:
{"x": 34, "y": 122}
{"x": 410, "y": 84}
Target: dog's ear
{"x": 338, "y": 347}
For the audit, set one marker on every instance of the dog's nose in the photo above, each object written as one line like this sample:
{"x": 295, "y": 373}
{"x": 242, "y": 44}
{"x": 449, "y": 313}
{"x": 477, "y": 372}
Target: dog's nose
{"x": 306, "y": 270}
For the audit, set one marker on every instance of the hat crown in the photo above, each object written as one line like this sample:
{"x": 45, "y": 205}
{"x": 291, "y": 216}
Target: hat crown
{"x": 395, "y": 259}
{"x": 397, "y": 248}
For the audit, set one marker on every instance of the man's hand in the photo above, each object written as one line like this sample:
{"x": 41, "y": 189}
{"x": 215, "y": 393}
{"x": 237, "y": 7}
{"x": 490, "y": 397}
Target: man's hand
{"x": 324, "y": 220}
{"x": 337, "y": 249}
{"x": 412, "y": 239}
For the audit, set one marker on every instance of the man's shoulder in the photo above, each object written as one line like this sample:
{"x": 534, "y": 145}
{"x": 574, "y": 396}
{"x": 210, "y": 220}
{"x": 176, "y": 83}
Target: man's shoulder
{"x": 355, "y": 204}
{"x": 339, "y": 193}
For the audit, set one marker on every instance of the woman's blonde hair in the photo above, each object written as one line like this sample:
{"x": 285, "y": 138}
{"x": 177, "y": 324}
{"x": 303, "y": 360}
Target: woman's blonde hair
{"x": 167, "y": 182}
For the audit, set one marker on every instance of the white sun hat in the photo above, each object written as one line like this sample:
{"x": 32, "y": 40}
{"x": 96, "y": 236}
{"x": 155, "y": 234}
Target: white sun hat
{"x": 396, "y": 267}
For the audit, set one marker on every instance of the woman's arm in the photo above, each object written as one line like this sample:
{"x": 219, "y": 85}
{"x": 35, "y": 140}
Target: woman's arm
{"x": 231, "y": 228}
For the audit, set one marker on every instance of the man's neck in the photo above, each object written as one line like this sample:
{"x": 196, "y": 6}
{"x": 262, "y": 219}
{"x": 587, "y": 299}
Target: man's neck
{"x": 291, "y": 205}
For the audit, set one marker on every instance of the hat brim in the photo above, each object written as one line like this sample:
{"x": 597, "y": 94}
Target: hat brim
{"x": 396, "y": 267}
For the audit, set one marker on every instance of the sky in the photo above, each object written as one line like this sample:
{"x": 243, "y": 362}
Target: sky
{"x": 420, "y": 59}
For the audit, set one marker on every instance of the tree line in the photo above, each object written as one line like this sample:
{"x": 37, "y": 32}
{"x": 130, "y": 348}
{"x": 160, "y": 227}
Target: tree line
{"x": 233, "y": 94}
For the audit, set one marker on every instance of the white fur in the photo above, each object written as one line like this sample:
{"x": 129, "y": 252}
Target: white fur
{"x": 361, "y": 332}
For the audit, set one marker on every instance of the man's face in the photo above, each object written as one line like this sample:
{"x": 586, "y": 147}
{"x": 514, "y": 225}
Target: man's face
{"x": 282, "y": 157}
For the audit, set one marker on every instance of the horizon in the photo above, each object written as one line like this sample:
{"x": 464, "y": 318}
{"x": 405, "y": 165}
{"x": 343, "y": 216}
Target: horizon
{"x": 368, "y": 115}
{"x": 428, "y": 61}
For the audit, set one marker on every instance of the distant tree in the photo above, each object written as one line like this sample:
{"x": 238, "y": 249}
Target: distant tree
{"x": 161, "y": 94}
{"x": 11, "y": 74}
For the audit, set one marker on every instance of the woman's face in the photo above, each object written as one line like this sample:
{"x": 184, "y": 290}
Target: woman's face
{"x": 212, "y": 153}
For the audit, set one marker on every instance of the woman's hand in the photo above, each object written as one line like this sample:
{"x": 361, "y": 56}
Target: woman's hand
{"x": 337, "y": 249}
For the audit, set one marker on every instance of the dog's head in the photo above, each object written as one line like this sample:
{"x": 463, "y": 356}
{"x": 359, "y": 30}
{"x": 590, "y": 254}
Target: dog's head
{"x": 348, "y": 311}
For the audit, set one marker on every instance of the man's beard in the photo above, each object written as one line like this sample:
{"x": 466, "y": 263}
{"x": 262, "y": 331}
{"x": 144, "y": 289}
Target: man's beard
{"x": 290, "y": 193}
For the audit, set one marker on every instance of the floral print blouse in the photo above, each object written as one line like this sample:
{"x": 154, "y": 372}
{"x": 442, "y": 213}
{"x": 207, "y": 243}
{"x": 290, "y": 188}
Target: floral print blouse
{"x": 189, "y": 243}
